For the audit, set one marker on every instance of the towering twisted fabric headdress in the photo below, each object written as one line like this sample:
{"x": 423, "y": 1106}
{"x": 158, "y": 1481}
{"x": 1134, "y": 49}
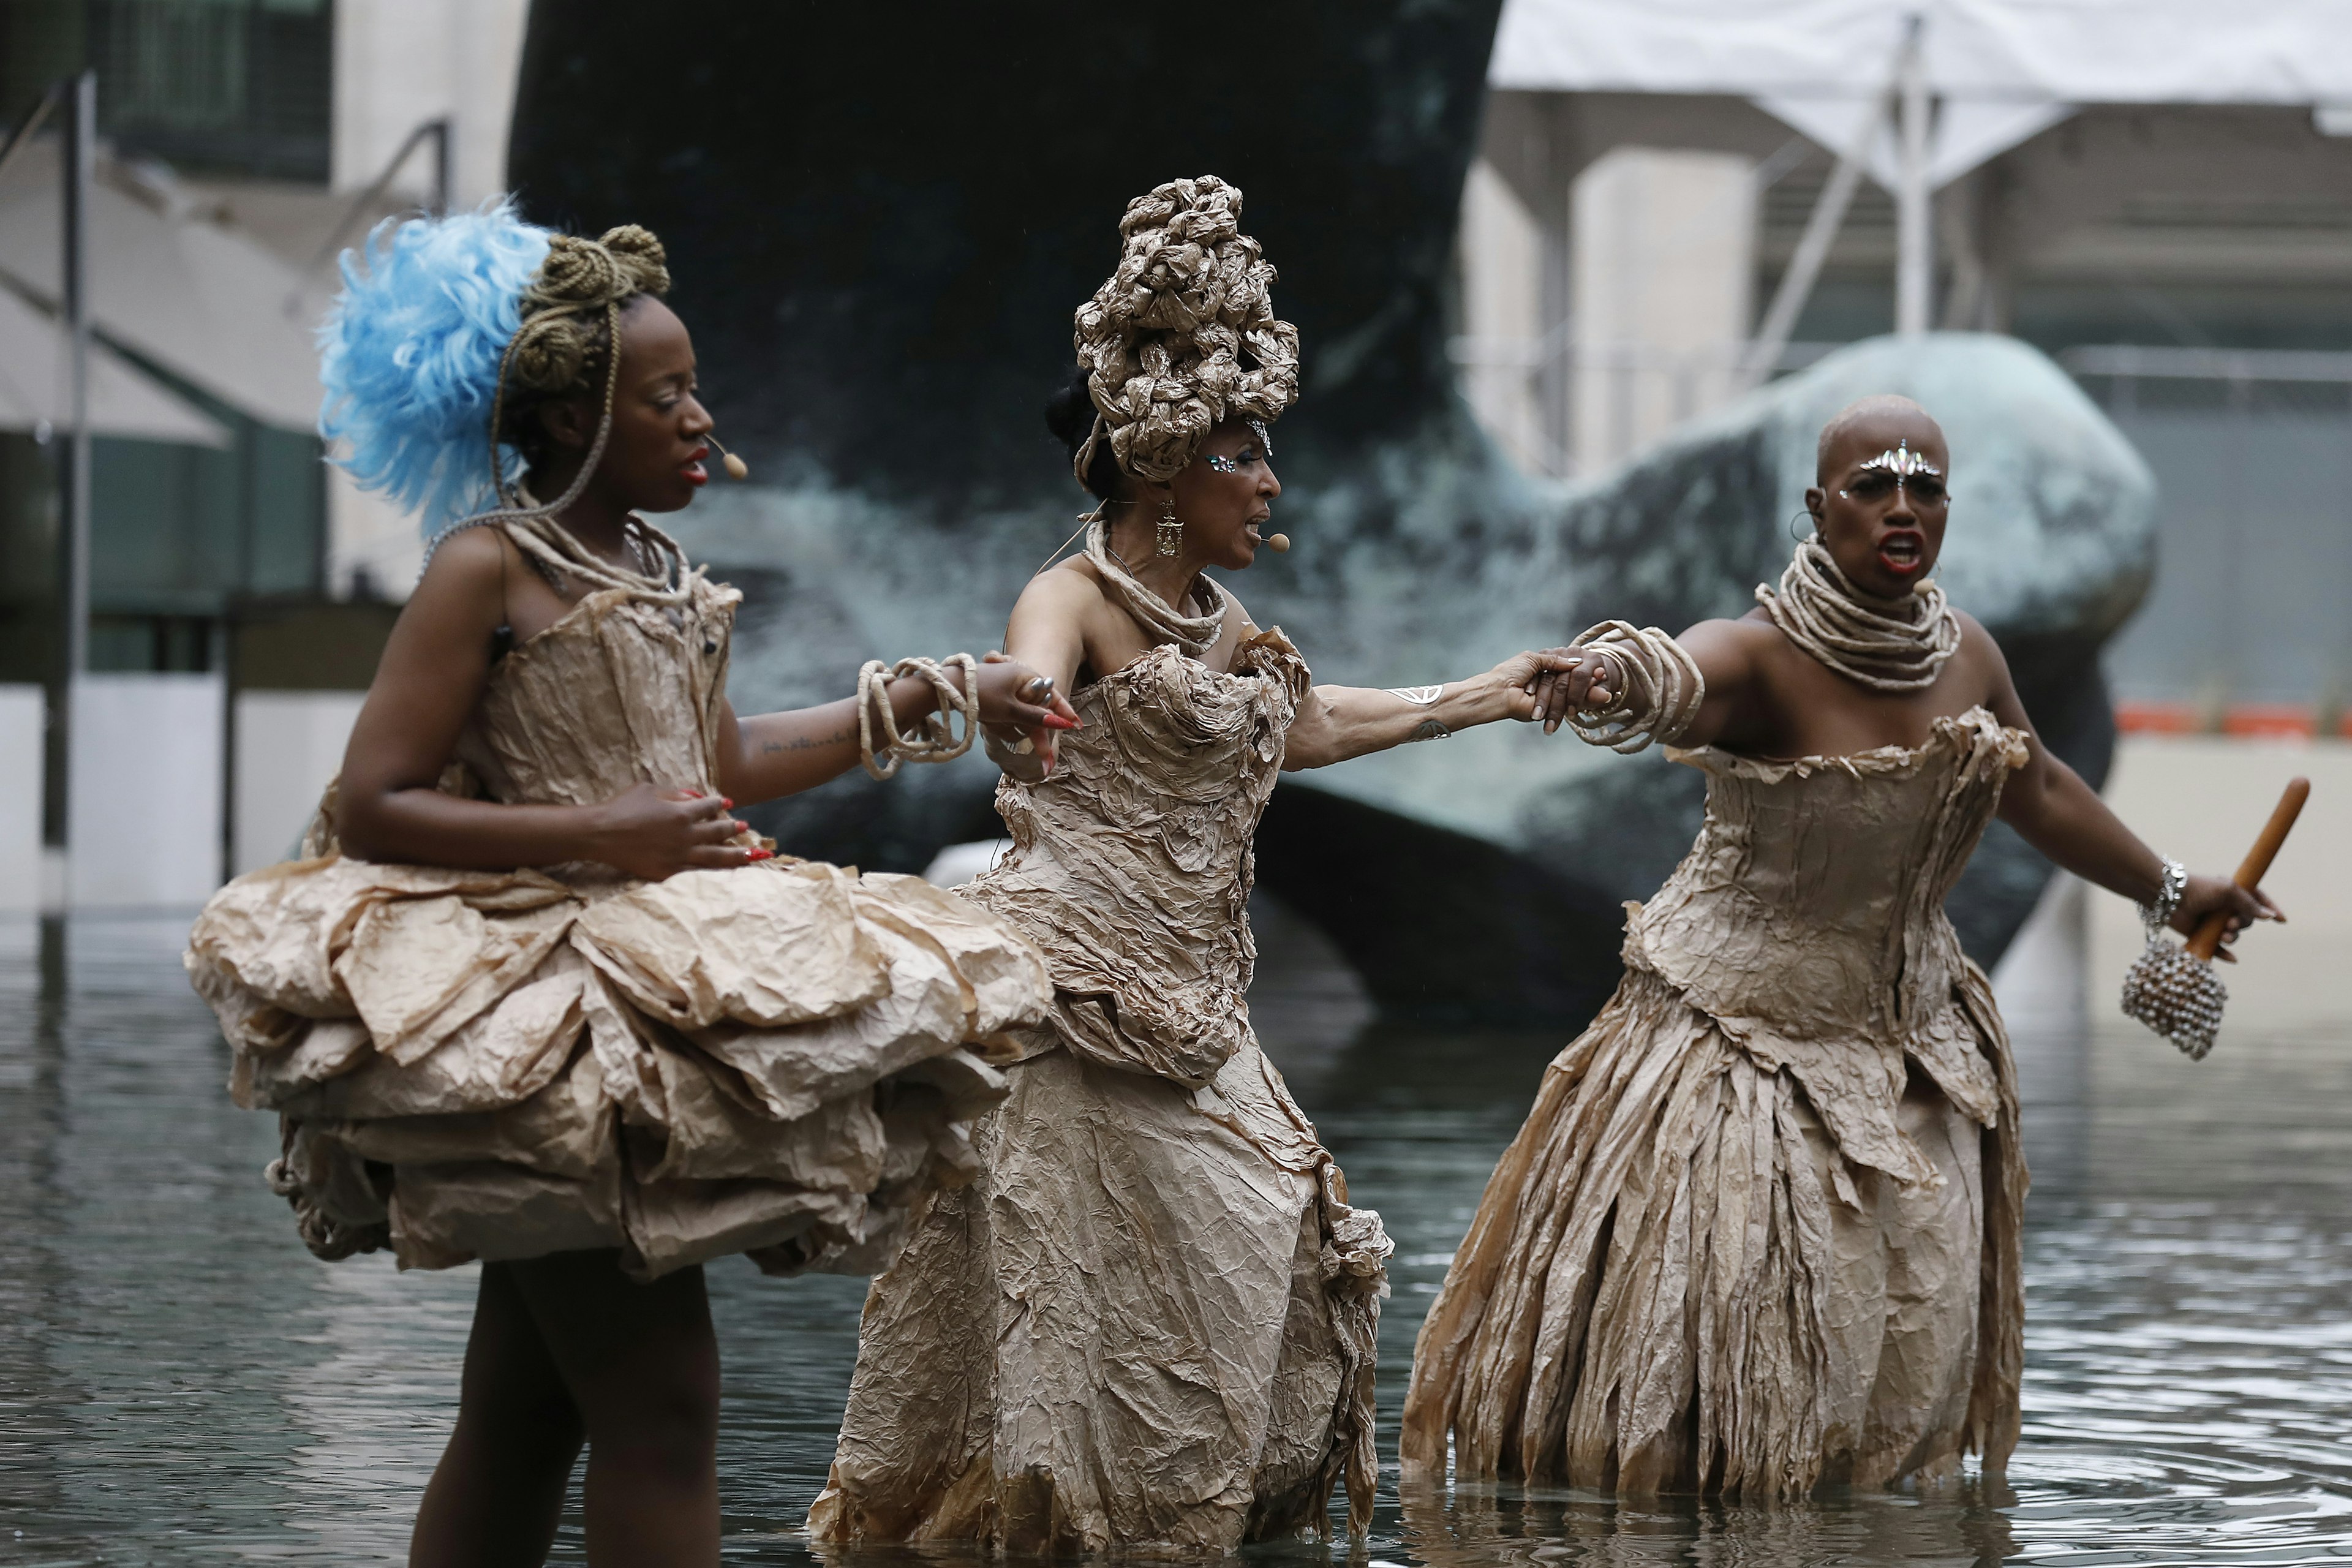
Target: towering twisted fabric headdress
{"x": 448, "y": 328}
{"x": 1183, "y": 335}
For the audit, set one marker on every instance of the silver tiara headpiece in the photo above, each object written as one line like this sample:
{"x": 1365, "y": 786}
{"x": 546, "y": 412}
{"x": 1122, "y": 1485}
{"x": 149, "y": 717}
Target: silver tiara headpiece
{"x": 1902, "y": 462}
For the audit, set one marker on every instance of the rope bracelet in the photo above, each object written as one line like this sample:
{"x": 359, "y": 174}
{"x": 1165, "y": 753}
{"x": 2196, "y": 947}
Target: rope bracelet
{"x": 935, "y": 740}
{"x": 1657, "y": 697}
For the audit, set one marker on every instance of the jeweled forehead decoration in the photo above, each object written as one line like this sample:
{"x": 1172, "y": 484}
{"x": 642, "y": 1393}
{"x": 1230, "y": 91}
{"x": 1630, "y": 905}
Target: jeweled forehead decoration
{"x": 1902, "y": 462}
{"x": 1227, "y": 465}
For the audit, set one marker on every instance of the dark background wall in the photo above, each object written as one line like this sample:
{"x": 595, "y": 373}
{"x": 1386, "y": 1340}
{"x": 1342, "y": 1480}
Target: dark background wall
{"x": 880, "y": 219}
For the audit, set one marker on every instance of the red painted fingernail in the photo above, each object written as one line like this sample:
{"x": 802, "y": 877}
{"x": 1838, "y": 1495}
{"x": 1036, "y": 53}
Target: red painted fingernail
{"x": 1055, "y": 722}
{"x": 725, "y": 802}
{"x": 741, "y": 827}
{"x": 759, "y": 855}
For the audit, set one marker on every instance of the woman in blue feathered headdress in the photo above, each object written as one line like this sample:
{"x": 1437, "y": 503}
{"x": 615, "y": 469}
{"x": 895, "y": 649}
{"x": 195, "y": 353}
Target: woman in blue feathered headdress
{"x": 534, "y": 994}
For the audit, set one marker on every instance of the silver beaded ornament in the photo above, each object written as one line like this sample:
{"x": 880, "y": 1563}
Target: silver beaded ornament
{"x": 2173, "y": 994}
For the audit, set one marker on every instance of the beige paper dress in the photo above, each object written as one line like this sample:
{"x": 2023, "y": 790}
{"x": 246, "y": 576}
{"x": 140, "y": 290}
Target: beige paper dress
{"x": 1152, "y": 1321}
{"x": 772, "y": 1059}
{"x": 1761, "y": 1228}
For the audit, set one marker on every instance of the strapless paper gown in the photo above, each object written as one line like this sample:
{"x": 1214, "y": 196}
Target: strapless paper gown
{"x": 773, "y": 1059}
{"x": 1761, "y": 1228}
{"x": 1151, "y": 1322}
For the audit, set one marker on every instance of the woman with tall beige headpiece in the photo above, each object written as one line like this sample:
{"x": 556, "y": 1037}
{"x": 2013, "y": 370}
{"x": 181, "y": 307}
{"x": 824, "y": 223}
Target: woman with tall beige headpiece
{"x": 1152, "y": 1320}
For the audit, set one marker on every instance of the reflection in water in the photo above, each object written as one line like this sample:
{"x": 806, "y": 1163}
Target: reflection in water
{"x": 1536, "y": 1529}
{"x": 181, "y": 1383}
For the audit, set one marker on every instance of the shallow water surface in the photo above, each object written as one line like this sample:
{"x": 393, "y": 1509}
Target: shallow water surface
{"x": 181, "y": 1383}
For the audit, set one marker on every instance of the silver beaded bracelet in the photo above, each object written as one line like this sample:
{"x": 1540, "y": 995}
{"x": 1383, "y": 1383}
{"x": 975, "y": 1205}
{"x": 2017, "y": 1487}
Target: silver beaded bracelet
{"x": 2157, "y": 913}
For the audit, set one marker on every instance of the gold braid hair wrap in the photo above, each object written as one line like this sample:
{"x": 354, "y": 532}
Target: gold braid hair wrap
{"x": 570, "y": 337}
{"x": 1183, "y": 335}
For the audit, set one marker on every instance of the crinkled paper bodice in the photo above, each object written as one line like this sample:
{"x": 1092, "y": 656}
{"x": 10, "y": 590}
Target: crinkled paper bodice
{"x": 1131, "y": 865}
{"x": 620, "y": 691}
{"x": 1813, "y": 899}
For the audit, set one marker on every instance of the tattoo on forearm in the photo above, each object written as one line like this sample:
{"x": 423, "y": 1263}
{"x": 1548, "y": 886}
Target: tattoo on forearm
{"x": 1428, "y": 730}
{"x": 804, "y": 742}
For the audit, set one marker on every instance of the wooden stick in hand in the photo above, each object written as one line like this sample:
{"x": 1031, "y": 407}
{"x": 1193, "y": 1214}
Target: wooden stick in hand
{"x": 2208, "y": 940}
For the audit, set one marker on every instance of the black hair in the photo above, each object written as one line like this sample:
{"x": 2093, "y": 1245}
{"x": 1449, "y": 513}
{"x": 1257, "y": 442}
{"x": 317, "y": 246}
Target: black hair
{"x": 1070, "y": 416}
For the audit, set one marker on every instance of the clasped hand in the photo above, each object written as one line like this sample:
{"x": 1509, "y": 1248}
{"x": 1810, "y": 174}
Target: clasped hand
{"x": 1017, "y": 704}
{"x": 1545, "y": 685}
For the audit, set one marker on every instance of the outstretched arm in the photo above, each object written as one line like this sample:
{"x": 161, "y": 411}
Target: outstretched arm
{"x": 2053, "y": 810}
{"x": 1046, "y": 635}
{"x": 1336, "y": 722}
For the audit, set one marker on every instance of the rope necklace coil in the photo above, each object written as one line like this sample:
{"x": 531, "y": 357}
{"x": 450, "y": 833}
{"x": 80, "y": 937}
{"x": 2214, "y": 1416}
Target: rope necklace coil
{"x": 935, "y": 740}
{"x": 1888, "y": 645}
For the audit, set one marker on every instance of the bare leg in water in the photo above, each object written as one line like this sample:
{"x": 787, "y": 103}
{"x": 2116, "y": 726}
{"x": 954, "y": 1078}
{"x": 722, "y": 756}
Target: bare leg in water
{"x": 566, "y": 1349}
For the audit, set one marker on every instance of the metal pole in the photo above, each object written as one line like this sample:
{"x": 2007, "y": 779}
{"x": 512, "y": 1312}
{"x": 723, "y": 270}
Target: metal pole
{"x": 30, "y": 125}
{"x": 73, "y": 544}
{"x": 442, "y": 174}
{"x": 1915, "y": 254}
{"x": 1762, "y": 354}
{"x": 439, "y": 131}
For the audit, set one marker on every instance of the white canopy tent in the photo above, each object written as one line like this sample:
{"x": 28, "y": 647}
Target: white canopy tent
{"x": 1919, "y": 92}
{"x": 2001, "y": 70}
{"x": 194, "y": 297}
{"x": 122, "y": 401}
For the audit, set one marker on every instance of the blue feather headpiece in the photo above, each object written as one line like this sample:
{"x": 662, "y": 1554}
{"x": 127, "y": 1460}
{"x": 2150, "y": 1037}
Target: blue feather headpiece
{"x": 409, "y": 357}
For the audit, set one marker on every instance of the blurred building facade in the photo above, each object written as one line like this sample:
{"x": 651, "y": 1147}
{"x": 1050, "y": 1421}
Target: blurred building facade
{"x": 2190, "y": 262}
{"x": 240, "y": 588}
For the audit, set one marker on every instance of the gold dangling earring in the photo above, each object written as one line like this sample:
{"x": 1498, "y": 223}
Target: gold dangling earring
{"x": 1170, "y": 533}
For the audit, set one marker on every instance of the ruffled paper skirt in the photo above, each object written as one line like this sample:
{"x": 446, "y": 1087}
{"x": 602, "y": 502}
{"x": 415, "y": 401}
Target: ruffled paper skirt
{"x": 1678, "y": 1279}
{"x": 785, "y": 1059}
{"x": 1151, "y": 1323}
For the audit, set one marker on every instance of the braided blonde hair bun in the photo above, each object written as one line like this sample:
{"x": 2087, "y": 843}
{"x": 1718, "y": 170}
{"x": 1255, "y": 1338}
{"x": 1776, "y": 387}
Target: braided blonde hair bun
{"x": 1183, "y": 335}
{"x": 566, "y": 337}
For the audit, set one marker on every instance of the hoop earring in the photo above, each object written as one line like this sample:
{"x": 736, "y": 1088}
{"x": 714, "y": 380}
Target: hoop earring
{"x": 1812, "y": 528}
{"x": 1170, "y": 533}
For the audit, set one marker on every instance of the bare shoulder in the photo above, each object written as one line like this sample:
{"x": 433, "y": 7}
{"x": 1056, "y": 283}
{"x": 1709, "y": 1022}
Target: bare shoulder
{"x": 1069, "y": 587}
{"x": 1752, "y": 636}
{"x": 1977, "y": 645}
{"x": 465, "y": 576}
{"x": 1980, "y": 655}
{"x": 1239, "y": 622}
{"x": 1066, "y": 600}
